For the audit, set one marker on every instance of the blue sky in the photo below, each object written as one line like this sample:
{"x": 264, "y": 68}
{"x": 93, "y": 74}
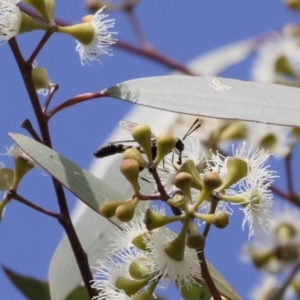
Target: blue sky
{"x": 181, "y": 30}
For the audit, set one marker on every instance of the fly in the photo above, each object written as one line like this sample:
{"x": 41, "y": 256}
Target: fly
{"x": 119, "y": 147}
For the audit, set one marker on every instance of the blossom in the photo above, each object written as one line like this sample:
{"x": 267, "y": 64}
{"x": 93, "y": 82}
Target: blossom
{"x": 265, "y": 67}
{"x": 10, "y": 19}
{"x": 18, "y": 154}
{"x": 273, "y": 138}
{"x": 101, "y": 41}
{"x": 110, "y": 270}
{"x": 185, "y": 272}
{"x": 250, "y": 192}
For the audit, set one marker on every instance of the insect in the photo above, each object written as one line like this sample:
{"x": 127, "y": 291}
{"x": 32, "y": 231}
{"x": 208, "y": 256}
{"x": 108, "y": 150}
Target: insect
{"x": 119, "y": 147}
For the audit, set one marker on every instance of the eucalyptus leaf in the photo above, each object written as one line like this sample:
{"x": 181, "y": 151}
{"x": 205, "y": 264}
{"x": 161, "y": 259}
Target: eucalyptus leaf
{"x": 31, "y": 288}
{"x": 214, "y": 97}
{"x": 87, "y": 187}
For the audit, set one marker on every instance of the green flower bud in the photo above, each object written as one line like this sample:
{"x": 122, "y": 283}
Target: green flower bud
{"x": 6, "y": 178}
{"x": 40, "y": 78}
{"x": 285, "y": 232}
{"x": 142, "y": 135}
{"x": 189, "y": 167}
{"x": 236, "y": 130}
{"x": 183, "y": 181}
{"x": 287, "y": 253}
{"x": 140, "y": 269}
{"x": 108, "y": 208}
{"x": 195, "y": 241}
{"x": 125, "y": 212}
{"x": 284, "y": 66}
{"x": 165, "y": 143}
{"x": 211, "y": 180}
{"x": 175, "y": 249}
{"x": 139, "y": 242}
{"x": 236, "y": 170}
{"x": 262, "y": 258}
{"x": 29, "y": 24}
{"x": 130, "y": 169}
{"x": 83, "y": 32}
{"x": 221, "y": 219}
{"x": 129, "y": 286}
{"x": 155, "y": 220}
{"x": 135, "y": 154}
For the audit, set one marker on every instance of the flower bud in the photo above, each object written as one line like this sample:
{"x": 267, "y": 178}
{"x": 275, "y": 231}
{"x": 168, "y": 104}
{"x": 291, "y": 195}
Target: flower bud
{"x": 189, "y": 167}
{"x": 195, "y": 241}
{"x": 261, "y": 258}
{"x": 221, "y": 219}
{"x": 108, "y": 208}
{"x": 211, "y": 180}
{"x": 40, "y": 78}
{"x": 139, "y": 269}
{"x": 6, "y": 178}
{"x": 83, "y": 32}
{"x": 139, "y": 241}
{"x": 142, "y": 135}
{"x": 130, "y": 169}
{"x": 175, "y": 249}
{"x": 178, "y": 200}
{"x": 293, "y": 4}
{"x": 125, "y": 212}
{"x": 3, "y": 204}
{"x": 285, "y": 232}
{"x": 155, "y": 220}
{"x": 236, "y": 170}
{"x": 130, "y": 286}
{"x": 287, "y": 253}
{"x": 165, "y": 143}
{"x": 135, "y": 154}
{"x": 22, "y": 164}
{"x": 235, "y": 130}
{"x": 29, "y": 24}
{"x": 183, "y": 181}
{"x": 45, "y": 8}
{"x": 283, "y": 65}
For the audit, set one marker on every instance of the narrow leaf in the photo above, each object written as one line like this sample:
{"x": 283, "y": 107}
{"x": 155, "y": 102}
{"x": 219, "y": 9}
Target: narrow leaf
{"x": 87, "y": 187}
{"x": 31, "y": 288}
{"x": 214, "y": 97}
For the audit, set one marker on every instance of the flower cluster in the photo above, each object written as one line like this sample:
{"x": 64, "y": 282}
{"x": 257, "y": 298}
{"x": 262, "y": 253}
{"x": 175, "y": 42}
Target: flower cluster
{"x": 195, "y": 187}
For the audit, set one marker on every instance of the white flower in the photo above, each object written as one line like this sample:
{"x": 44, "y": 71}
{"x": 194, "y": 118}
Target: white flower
{"x": 271, "y": 137}
{"x": 258, "y": 201}
{"x": 10, "y": 19}
{"x": 110, "y": 270}
{"x": 264, "y": 68}
{"x": 184, "y": 272}
{"x": 101, "y": 41}
{"x": 18, "y": 154}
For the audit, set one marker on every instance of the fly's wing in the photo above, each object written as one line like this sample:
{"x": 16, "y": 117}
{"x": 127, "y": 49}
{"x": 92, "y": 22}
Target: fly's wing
{"x": 128, "y": 125}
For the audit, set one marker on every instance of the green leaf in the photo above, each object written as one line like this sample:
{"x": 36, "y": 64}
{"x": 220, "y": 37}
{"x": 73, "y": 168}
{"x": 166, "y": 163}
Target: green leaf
{"x": 31, "y": 288}
{"x": 222, "y": 284}
{"x": 87, "y": 187}
{"x": 195, "y": 292}
{"x": 214, "y": 97}
{"x": 35, "y": 289}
